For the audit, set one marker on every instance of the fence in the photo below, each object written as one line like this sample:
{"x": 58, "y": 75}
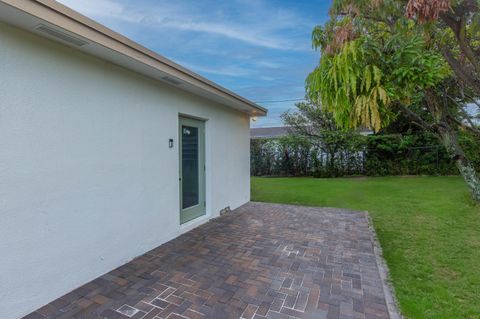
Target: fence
{"x": 302, "y": 157}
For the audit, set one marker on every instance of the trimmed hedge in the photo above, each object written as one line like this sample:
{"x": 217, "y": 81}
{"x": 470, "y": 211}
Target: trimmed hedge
{"x": 376, "y": 155}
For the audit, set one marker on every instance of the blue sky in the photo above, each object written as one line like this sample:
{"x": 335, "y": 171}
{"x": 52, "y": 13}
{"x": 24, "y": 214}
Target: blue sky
{"x": 260, "y": 49}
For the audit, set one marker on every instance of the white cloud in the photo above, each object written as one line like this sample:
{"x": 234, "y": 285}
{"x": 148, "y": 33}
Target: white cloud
{"x": 267, "y": 78}
{"x": 269, "y": 64}
{"x": 261, "y": 32}
{"x": 105, "y": 8}
{"x": 231, "y": 70}
{"x": 244, "y": 35}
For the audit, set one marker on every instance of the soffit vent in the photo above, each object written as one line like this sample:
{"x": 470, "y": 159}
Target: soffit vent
{"x": 171, "y": 80}
{"x": 53, "y": 33}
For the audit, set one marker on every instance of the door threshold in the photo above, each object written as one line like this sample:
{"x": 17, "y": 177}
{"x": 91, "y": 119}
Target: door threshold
{"x": 194, "y": 223}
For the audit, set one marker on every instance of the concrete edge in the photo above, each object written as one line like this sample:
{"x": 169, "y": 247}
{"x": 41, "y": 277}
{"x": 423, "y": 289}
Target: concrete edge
{"x": 388, "y": 289}
{"x": 328, "y": 208}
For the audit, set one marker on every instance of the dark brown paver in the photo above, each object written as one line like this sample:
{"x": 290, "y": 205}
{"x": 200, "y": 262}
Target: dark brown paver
{"x": 260, "y": 261}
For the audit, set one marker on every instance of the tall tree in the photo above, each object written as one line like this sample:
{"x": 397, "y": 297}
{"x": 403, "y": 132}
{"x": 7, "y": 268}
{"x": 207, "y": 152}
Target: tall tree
{"x": 312, "y": 122}
{"x": 383, "y": 57}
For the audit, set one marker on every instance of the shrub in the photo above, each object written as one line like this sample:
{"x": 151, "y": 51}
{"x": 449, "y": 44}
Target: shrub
{"x": 376, "y": 155}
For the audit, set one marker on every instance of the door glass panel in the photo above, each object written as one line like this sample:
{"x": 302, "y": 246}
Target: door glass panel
{"x": 190, "y": 169}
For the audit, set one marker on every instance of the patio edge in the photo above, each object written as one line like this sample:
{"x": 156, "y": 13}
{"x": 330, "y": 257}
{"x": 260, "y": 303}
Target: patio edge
{"x": 388, "y": 289}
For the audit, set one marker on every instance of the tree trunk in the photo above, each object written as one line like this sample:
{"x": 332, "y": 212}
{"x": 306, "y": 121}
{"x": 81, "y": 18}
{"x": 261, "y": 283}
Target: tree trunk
{"x": 467, "y": 170}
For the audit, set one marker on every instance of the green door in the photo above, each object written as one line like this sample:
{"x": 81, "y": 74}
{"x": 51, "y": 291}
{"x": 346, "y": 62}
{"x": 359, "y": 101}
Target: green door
{"x": 192, "y": 169}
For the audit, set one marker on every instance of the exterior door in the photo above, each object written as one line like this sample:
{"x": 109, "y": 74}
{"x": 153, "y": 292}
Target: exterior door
{"x": 192, "y": 169}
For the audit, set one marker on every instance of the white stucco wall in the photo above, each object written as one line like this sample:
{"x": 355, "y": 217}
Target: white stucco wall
{"x": 87, "y": 181}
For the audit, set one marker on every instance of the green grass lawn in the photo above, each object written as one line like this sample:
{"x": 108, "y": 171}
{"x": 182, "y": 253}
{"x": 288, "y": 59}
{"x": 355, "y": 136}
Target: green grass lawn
{"x": 428, "y": 227}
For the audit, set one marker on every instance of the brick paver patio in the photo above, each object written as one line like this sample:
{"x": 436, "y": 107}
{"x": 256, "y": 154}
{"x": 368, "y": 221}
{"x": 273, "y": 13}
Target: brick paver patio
{"x": 260, "y": 261}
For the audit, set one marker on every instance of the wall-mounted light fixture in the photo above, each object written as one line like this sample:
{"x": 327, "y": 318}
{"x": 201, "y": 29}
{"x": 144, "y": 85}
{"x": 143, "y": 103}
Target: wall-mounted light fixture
{"x": 170, "y": 143}
{"x": 253, "y": 116}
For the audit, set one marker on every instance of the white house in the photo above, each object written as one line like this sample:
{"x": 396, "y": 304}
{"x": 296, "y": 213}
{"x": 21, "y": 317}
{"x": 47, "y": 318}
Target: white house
{"x": 107, "y": 150}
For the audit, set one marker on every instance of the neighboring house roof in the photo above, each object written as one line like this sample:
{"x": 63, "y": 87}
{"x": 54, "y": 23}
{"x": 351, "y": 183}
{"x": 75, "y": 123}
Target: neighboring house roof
{"x": 53, "y": 20}
{"x": 365, "y": 132}
{"x": 268, "y": 132}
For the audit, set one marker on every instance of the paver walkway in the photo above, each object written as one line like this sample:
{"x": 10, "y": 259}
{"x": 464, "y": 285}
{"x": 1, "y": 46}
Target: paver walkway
{"x": 260, "y": 261}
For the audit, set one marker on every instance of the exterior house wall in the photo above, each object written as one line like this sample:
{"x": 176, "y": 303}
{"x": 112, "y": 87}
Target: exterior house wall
{"x": 87, "y": 180}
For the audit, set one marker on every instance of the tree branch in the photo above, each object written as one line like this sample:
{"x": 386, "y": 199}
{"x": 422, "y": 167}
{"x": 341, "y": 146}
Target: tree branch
{"x": 473, "y": 100}
{"x": 462, "y": 125}
{"x": 458, "y": 24}
{"x": 417, "y": 120}
{"x": 459, "y": 70}
{"x": 471, "y": 127}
